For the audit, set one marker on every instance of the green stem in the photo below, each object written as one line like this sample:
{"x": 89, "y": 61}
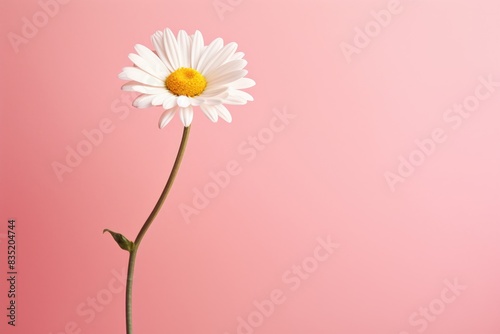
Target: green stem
{"x": 147, "y": 224}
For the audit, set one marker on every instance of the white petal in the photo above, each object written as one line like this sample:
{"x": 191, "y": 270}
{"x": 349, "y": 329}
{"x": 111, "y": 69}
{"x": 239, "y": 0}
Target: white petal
{"x": 208, "y": 53}
{"x": 224, "y": 113}
{"x": 243, "y": 83}
{"x": 184, "y": 48}
{"x": 170, "y": 102}
{"x": 209, "y": 101}
{"x": 196, "y": 48}
{"x": 241, "y": 94}
{"x": 136, "y": 74}
{"x": 128, "y": 87}
{"x": 166, "y": 117}
{"x": 172, "y": 48}
{"x": 233, "y": 99}
{"x": 214, "y": 91}
{"x": 144, "y": 65}
{"x": 186, "y": 115}
{"x": 217, "y": 97}
{"x": 148, "y": 89}
{"x": 159, "y": 44}
{"x": 220, "y": 58}
{"x": 143, "y": 101}
{"x": 231, "y": 66}
{"x": 153, "y": 59}
{"x": 210, "y": 112}
{"x": 160, "y": 98}
{"x": 238, "y": 55}
{"x": 194, "y": 102}
{"x": 228, "y": 77}
{"x": 183, "y": 101}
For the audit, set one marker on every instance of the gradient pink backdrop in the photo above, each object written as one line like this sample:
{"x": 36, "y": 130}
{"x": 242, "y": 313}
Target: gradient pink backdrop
{"x": 323, "y": 175}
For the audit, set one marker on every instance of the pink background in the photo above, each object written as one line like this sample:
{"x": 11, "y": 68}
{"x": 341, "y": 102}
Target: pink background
{"x": 322, "y": 175}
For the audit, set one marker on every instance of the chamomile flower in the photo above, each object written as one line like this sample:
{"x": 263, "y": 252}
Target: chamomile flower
{"x": 182, "y": 73}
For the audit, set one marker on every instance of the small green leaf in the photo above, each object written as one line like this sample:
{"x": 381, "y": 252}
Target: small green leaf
{"x": 123, "y": 242}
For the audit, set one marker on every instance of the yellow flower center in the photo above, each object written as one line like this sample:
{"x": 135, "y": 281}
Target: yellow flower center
{"x": 186, "y": 81}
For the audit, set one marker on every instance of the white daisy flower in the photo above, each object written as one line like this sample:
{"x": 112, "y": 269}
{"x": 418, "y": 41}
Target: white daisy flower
{"x": 182, "y": 73}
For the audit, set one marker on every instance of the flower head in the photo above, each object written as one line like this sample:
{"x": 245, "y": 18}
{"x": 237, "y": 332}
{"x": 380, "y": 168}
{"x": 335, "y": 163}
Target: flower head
{"x": 182, "y": 72}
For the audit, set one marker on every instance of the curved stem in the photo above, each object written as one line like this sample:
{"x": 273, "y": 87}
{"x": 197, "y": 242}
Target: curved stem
{"x": 147, "y": 224}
